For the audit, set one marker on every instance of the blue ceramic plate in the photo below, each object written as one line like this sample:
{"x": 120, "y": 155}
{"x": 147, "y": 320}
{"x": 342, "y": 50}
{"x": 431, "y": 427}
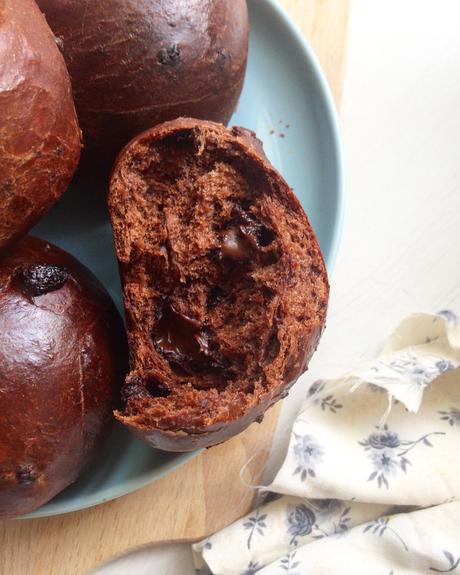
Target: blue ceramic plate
{"x": 286, "y": 101}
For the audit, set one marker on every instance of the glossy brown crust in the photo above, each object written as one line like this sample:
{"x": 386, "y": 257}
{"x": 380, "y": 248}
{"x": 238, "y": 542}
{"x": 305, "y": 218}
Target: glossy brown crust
{"x": 39, "y": 134}
{"x": 136, "y": 64}
{"x": 61, "y": 360}
{"x": 303, "y": 339}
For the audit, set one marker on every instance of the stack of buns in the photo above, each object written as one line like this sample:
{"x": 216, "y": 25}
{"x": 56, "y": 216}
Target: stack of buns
{"x": 224, "y": 284}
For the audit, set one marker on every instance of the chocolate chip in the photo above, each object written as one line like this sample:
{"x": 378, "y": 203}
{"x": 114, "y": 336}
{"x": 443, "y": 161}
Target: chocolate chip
{"x": 170, "y": 56}
{"x": 215, "y": 295}
{"x": 244, "y": 238}
{"x": 27, "y": 473}
{"x": 273, "y": 345}
{"x": 41, "y": 279}
{"x": 259, "y": 418}
{"x": 265, "y": 236}
{"x": 6, "y": 187}
{"x": 133, "y": 388}
{"x": 221, "y": 58}
{"x": 315, "y": 270}
{"x": 185, "y": 344}
{"x": 157, "y": 389}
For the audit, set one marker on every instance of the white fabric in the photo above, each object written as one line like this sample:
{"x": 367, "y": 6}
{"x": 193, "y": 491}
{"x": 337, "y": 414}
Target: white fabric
{"x": 367, "y": 452}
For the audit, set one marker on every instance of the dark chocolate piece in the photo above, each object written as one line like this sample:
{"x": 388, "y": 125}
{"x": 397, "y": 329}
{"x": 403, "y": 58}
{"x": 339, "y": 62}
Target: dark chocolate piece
{"x": 170, "y": 56}
{"x": 185, "y": 344}
{"x": 156, "y": 388}
{"x": 40, "y": 279}
{"x": 178, "y": 337}
{"x": 133, "y": 388}
{"x": 236, "y": 245}
{"x": 221, "y": 58}
{"x": 244, "y": 239}
{"x": 27, "y": 473}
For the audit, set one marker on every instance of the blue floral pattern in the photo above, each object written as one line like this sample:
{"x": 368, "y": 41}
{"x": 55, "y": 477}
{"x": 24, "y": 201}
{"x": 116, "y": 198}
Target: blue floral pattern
{"x": 388, "y": 453}
{"x": 288, "y": 564}
{"x": 276, "y": 536}
{"x": 301, "y": 520}
{"x": 329, "y": 401}
{"x": 255, "y": 524}
{"x": 252, "y": 568}
{"x": 449, "y": 315}
{"x": 341, "y": 526}
{"x": 308, "y": 453}
{"x": 452, "y": 416}
{"x": 411, "y": 367}
{"x": 453, "y": 563}
{"x": 316, "y": 388}
{"x": 381, "y": 526}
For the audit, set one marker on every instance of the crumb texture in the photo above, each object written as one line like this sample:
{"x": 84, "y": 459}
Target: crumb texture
{"x": 224, "y": 284}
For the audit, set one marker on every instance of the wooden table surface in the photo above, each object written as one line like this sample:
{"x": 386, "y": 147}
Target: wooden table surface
{"x": 205, "y": 494}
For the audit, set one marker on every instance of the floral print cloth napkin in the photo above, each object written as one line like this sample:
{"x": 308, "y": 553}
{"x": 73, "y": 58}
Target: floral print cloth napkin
{"x": 371, "y": 480}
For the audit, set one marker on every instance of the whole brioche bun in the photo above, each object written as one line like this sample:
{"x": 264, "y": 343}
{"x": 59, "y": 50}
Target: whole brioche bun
{"x": 136, "y": 64}
{"x": 39, "y": 134}
{"x": 62, "y": 353}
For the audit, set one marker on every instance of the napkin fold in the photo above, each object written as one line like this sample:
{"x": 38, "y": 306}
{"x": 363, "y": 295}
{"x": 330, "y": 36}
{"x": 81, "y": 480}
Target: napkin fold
{"x": 371, "y": 479}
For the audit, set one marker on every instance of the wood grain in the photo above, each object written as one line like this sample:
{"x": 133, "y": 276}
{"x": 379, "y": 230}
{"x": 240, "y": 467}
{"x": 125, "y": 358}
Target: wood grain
{"x": 325, "y": 24}
{"x": 205, "y": 494}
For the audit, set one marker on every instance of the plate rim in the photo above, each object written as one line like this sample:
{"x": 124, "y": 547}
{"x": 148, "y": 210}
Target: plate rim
{"x": 332, "y": 118}
{"x": 331, "y": 115}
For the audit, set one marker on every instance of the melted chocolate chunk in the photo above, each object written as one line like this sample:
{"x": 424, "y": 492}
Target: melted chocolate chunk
{"x": 236, "y": 246}
{"x": 246, "y": 237}
{"x": 170, "y": 56}
{"x": 185, "y": 344}
{"x": 27, "y": 473}
{"x": 42, "y": 278}
{"x": 177, "y": 336}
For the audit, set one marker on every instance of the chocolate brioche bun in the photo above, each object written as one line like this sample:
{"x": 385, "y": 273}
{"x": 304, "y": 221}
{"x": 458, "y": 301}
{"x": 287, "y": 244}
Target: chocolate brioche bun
{"x": 136, "y": 64}
{"x": 225, "y": 287}
{"x": 39, "y": 134}
{"x": 62, "y": 355}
